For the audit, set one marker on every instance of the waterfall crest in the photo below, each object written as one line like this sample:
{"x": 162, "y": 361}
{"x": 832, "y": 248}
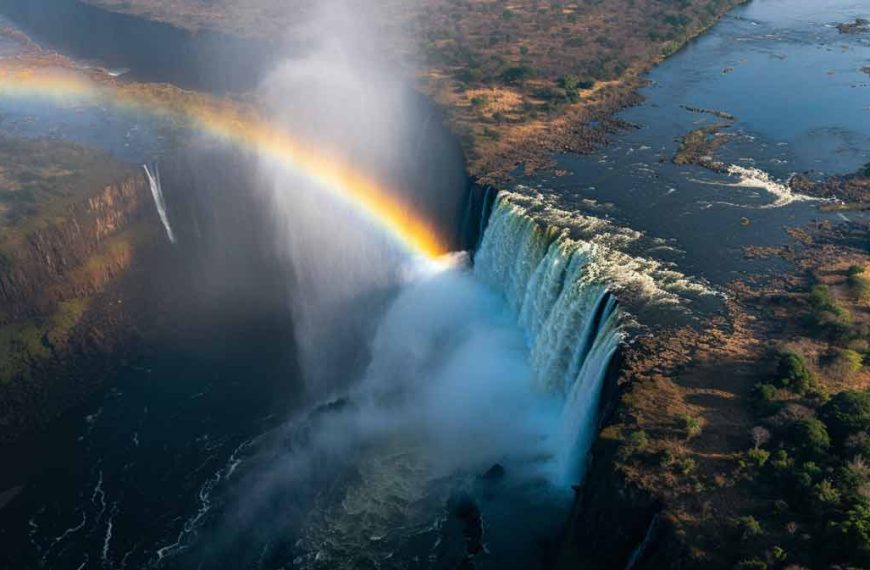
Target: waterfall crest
{"x": 570, "y": 319}
{"x": 159, "y": 201}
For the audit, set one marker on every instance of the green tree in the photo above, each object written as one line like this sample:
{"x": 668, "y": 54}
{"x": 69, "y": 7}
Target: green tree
{"x": 846, "y": 413}
{"x": 810, "y": 438}
{"x": 792, "y": 372}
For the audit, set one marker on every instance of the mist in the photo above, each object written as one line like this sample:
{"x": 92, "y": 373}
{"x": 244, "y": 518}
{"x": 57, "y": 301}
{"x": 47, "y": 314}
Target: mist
{"x": 417, "y": 373}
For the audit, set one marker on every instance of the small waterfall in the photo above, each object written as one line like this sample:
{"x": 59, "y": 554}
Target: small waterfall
{"x": 159, "y": 202}
{"x": 571, "y": 320}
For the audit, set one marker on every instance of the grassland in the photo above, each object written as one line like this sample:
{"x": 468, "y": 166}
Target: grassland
{"x": 519, "y": 80}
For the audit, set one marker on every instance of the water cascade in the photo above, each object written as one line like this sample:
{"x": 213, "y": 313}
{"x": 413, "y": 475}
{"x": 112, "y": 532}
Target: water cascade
{"x": 159, "y": 201}
{"x": 570, "y": 319}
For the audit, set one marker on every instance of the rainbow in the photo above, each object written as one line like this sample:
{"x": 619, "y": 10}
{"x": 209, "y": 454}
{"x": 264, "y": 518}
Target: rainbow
{"x": 226, "y": 121}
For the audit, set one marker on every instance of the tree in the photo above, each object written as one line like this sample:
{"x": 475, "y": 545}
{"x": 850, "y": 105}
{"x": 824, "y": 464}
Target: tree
{"x": 810, "y": 437}
{"x": 846, "y": 413}
{"x": 792, "y": 372}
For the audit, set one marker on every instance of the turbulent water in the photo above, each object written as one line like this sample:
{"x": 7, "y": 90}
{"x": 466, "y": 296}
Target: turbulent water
{"x": 570, "y": 319}
{"x": 499, "y": 363}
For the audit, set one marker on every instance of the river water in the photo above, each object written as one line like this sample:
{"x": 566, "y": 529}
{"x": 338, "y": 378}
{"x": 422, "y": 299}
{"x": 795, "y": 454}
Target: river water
{"x": 801, "y": 103}
{"x": 142, "y": 476}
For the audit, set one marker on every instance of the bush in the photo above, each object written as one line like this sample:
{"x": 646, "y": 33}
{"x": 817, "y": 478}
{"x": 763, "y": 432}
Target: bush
{"x": 516, "y": 74}
{"x": 846, "y": 363}
{"x": 854, "y": 270}
{"x": 749, "y": 527}
{"x": 792, "y": 373}
{"x": 858, "y": 445}
{"x": 854, "y": 533}
{"x": 638, "y": 440}
{"x": 860, "y": 287}
{"x": 778, "y": 554}
{"x": 827, "y": 494}
{"x": 810, "y": 438}
{"x": 846, "y": 413}
{"x": 758, "y": 456}
{"x": 691, "y": 425}
{"x": 826, "y": 313}
{"x": 764, "y": 396}
{"x": 781, "y": 461}
{"x": 752, "y": 564}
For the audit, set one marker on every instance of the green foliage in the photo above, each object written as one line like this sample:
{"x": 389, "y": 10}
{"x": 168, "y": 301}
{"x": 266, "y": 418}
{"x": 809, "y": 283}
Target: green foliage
{"x": 809, "y": 438}
{"x": 479, "y": 101}
{"x": 690, "y": 425}
{"x": 758, "y": 457}
{"x": 782, "y": 461}
{"x": 827, "y": 493}
{"x": 860, "y": 287}
{"x": 778, "y": 554}
{"x": 638, "y": 440}
{"x": 854, "y": 533}
{"x": 807, "y": 474}
{"x": 847, "y": 362}
{"x": 792, "y": 373}
{"x": 846, "y": 413}
{"x": 826, "y": 314}
{"x": 685, "y": 465}
{"x": 749, "y": 527}
{"x": 764, "y": 398}
{"x": 752, "y": 564}
{"x": 517, "y": 74}
{"x": 854, "y": 269}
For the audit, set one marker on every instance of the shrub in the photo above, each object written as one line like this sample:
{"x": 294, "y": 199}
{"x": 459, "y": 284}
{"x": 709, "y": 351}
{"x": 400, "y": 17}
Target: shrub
{"x": 781, "y": 460}
{"x": 855, "y": 480}
{"x": 826, "y": 314}
{"x": 846, "y": 413}
{"x": 517, "y": 74}
{"x": 792, "y": 372}
{"x": 749, "y": 527}
{"x": 810, "y": 437}
{"x": 691, "y": 425}
{"x": 764, "y": 396}
{"x": 807, "y": 473}
{"x": 685, "y": 466}
{"x": 854, "y": 270}
{"x": 846, "y": 363}
{"x": 778, "y": 554}
{"x": 638, "y": 440}
{"x": 758, "y": 456}
{"x": 827, "y": 493}
{"x": 821, "y": 298}
{"x": 752, "y": 564}
{"x": 860, "y": 287}
{"x": 858, "y": 445}
{"x": 854, "y": 533}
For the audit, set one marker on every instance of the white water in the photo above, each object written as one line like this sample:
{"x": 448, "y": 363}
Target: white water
{"x": 570, "y": 320}
{"x": 755, "y": 178}
{"x": 159, "y": 202}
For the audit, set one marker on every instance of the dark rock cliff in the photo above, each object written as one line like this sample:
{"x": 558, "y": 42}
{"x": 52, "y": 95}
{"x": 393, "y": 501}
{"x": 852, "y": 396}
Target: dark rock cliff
{"x": 63, "y": 319}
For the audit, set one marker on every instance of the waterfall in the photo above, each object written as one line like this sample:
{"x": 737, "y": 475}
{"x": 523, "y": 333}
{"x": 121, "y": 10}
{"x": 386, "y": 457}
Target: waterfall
{"x": 159, "y": 202}
{"x": 570, "y": 319}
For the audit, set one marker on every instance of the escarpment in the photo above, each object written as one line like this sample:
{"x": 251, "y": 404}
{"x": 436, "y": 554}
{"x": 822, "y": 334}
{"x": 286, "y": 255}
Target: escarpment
{"x": 74, "y": 226}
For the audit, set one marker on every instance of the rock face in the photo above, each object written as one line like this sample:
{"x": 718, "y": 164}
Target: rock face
{"x": 62, "y": 316}
{"x": 44, "y": 266}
